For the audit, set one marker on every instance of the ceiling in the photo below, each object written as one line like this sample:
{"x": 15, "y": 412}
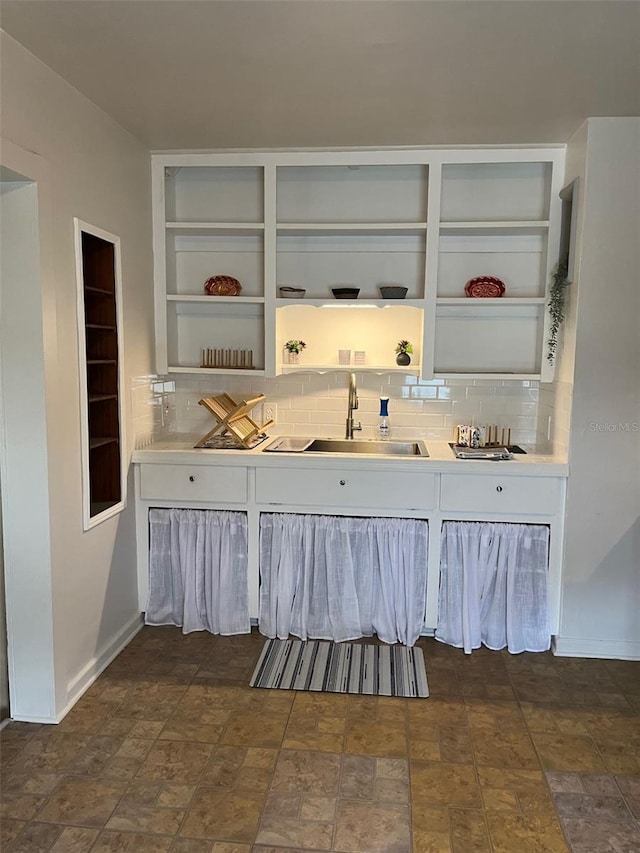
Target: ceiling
{"x": 316, "y": 73}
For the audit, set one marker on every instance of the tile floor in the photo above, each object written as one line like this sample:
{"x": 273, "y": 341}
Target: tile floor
{"x": 171, "y": 751}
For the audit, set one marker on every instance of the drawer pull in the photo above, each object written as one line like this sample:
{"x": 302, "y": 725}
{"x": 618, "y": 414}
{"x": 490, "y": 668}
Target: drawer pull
{"x": 192, "y": 479}
{"x": 498, "y": 488}
{"x": 343, "y": 482}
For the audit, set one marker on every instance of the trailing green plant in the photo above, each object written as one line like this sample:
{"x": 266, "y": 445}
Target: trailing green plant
{"x": 556, "y": 307}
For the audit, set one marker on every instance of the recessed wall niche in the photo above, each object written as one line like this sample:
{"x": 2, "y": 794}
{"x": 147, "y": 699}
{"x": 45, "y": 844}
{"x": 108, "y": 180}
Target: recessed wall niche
{"x": 99, "y": 334}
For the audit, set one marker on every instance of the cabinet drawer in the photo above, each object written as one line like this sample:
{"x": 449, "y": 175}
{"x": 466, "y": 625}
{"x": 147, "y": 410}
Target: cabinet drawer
{"x": 315, "y": 487}
{"x": 513, "y": 495}
{"x": 193, "y": 483}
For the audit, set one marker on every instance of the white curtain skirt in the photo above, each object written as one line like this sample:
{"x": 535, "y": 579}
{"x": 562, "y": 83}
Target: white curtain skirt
{"x": 198, "y": 570}
{"x": 340, "y": 578}
{"x": 493, "y": 586}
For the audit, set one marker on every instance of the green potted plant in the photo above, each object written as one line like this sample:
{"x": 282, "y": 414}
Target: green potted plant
{"x": 404, "y": 350}
{"x": 293, "y": 348}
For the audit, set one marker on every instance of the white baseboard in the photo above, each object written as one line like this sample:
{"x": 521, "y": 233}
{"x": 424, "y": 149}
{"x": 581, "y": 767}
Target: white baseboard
{"x": 85, "y": 678}
{"x": 572, "y": 647}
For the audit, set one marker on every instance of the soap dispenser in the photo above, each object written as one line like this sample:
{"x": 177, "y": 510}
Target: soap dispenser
{"x": 383, "y": 427}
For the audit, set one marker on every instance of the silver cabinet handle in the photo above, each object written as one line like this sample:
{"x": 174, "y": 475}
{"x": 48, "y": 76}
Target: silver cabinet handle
{"x": 498, "y": 488}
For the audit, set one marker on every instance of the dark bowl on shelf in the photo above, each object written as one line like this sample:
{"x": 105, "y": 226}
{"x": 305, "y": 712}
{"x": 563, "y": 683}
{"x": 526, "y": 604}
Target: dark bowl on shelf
{"x": 393, "y": 291}
{"x": 292, "y": 292}
{"x": 345, "y": 292}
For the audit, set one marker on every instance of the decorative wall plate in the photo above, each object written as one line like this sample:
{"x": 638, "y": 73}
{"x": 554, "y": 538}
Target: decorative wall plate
{"x": 222, "y": 285}
{"x": 484, "y": 286}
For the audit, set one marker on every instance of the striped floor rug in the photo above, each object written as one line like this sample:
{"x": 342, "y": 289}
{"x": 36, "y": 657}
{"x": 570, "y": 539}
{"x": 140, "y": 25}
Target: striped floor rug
{"x": 342, "y": 668}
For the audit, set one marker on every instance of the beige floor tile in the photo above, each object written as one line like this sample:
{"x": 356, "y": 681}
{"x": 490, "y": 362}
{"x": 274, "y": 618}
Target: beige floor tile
{"x": 170, "y": 750}
{"x": 509, "y": 749}
{"x": 306, "y": 772}
{"x": 430, "y": 841}
{"x": 469, "y": 831}
{"x": 374, "y": 828}
{"x": 36, "y": 837}
{"x": 146, "y": 819}
{"x": 129, "y": 842}
{"x": 376, "y": 738}
{"x": 223, "y": 815}
{"x": 444, "y": 784}
{"x": 253, "y": 728}
{"x": 19, "y": 806}
{"x": 82, "y": 802}
{"x": 294, "y": 832}
{"x": 10, "y": 828}
{"x": 568, "y": 753}
{"x": 73, "y": 839}
{"x": 525, "y": 834}
{"x": 174, "y": 761}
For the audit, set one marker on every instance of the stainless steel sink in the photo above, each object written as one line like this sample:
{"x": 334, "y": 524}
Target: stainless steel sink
{"x": 377, "y": 448}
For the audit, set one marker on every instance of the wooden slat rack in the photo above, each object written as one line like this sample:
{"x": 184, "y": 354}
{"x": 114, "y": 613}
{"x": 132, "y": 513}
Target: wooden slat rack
{"x": 233, "y": 418}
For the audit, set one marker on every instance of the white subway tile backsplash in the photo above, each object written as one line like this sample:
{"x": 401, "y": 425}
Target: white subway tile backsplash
{"x": 163, "y": 406}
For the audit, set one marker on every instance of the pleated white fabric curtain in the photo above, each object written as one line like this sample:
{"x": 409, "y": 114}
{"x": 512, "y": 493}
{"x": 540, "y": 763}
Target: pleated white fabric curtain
{"x": 493, "y": 586}
{"x": 198, "y": 570}
{"x": 339, "y": 578}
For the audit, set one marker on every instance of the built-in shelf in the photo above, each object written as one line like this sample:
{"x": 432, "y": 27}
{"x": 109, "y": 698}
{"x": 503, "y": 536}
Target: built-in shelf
{"x": 488, "y": 301}
{"x": 101, "y": 442}
{"x": 491, "y": 225}
{"x": 330, "y": 302}
{"x": 216, "y": 370}
{"x": 351, "y": 368}
{"x": 100, "y": 320}
{"x": 205, "y": 297}
{"x": 485, "y": 375}
{"x": 428, "y": 220}
{"x": 222, "y": 228}
{"x": 352, "y": 228}
{"x": 98, "y": 291}
{"x": 100, "y": 398}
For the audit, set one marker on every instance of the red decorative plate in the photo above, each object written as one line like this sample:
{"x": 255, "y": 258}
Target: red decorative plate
{"x": 484, "y": 286}
{"x": 222, "y": 285}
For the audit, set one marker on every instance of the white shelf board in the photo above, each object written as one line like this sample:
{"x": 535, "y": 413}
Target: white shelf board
{"x": 381, "y": 228}
{"x": 351, "y": 368}
{"x": 330, "y": 302}
{"x": 495, "y": 227}
{"x": 469, "y": 302}
{"x": 184, "y": 297}
{"x": 226, "y": 371}
{"x": 484, "y": 375}
{"x": 222, "y": 228}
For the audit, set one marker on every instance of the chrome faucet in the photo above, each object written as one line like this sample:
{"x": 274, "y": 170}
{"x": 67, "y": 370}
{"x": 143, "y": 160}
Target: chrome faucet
{"x": 353, "y": 404}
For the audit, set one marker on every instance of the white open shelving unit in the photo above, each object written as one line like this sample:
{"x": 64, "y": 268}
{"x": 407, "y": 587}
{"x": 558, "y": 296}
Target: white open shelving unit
{"x": 426, "y": 219}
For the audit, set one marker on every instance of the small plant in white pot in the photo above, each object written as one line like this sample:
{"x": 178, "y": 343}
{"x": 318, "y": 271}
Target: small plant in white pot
{"x": 292, "y": 349}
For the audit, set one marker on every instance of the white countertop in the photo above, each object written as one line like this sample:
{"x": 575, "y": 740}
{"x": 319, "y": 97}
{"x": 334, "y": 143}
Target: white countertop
{"x": 180, "y": 451}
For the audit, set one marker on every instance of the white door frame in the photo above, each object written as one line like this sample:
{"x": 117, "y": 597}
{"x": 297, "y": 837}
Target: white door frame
{"x": 28, "y": 343}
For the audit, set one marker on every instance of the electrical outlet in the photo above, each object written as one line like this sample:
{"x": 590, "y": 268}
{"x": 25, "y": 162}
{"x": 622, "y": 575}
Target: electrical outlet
{"x": 269, "y": 412}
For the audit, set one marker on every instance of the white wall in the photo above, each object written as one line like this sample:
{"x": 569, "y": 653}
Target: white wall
{"x": 601, "y": 590}
{"x": 101, "y": 174}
